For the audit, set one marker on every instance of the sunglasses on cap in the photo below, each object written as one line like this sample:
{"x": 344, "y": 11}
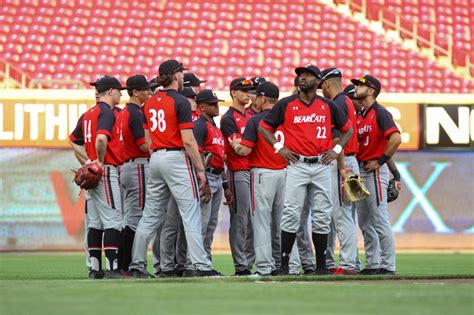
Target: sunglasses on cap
{"x": 367, "y": 83}
{"x": 243, "y": 83}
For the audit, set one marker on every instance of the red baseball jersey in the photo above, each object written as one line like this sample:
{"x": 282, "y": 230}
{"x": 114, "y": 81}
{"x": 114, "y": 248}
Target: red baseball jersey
{"x": 345, "y": 104}
{"x": 233, "y": 125}
{"x": 263, "y": 154}
{"x": 196, "y": 114}
{"x": 166, "y": 113}
{"x": 210, "y": 138}
{"x": 307, "y": 127}
{"x": 373, "y": 130}
{"x": 133, "y": 134}
{"x": 100, "y": 119}
{"x": 250, "y": 112}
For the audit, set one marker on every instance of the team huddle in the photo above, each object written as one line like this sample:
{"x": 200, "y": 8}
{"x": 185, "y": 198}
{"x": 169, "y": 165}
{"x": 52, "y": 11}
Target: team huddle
{"x": 164, "y": 168}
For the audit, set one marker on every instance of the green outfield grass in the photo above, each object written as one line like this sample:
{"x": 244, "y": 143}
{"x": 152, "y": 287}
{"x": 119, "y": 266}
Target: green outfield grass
{"x": 58, "y": 284}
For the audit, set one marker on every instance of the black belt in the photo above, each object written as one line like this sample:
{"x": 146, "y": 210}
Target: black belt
{"x": 215, "y": 171}
{"x": 169, "y": 149}
{"x": 350, "y": 154}
{"x": 133, "y": 160}
{"x": 309, "y": 160}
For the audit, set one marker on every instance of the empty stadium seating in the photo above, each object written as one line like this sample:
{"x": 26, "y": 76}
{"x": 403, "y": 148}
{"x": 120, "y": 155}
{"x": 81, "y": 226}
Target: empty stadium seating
{"x": 61, "y": 39}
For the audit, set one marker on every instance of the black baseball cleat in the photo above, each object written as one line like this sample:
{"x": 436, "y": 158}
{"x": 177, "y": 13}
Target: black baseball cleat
{"x": 275, "y": 272}
{"x": 168, "y": 274}
{"x": 321, "y": 272}
{"x": 140, "y": 275}
{"x": 244, "y": 272}
{"x": 284, "y": 270}
{"x": 113, "y": 274}
{"x": 208, "y": 273}
{"x": 94, "y": 274}
{"x": 308, "y": 272}
{"x": 383, "y": 271}
{"x": 260, "y": 274}
{"x": 368, "y": 272}
{"x": 187, "y": 273}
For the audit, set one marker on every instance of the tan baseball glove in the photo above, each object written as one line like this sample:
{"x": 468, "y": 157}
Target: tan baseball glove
{"x": 355, "y": 188}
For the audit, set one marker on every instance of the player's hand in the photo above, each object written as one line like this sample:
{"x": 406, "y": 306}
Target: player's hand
{"x": 99, "y": 163}
{"x": 288, "y": 155}
{"x": 229, "y": 198}
{"x": 371, "y": 166}
{"x": 206, "y": 194}
{"x": 328, "y": 156}
{"x": 346, "y": 171}
{"x": 201, "y": 177}
{"x": 398, "y": 185}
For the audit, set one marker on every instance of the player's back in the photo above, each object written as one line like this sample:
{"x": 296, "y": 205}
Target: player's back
{"x": 166, "y": 113}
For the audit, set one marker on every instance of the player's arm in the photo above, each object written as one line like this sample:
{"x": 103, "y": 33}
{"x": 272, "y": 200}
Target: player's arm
{"x": 230, "y": 131}
{"x": 343, "y": 124}
{"x": 79, "y": 152}
{"x": 244, "y": 146}
{"x": 392, "y": 134}
{"x": 106, "y": 121}
{"x": 136, "y": 121}
{"x": 229, "y": 198}
{"x": 267, "y": 127}
{"x": 76, "y": 140}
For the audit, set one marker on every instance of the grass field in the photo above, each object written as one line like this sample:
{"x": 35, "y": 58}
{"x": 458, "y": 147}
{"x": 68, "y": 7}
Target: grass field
{"x": 58, "y": 284}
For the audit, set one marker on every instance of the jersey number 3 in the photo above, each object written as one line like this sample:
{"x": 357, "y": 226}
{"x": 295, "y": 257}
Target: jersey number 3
{"x": 157, "y": 120}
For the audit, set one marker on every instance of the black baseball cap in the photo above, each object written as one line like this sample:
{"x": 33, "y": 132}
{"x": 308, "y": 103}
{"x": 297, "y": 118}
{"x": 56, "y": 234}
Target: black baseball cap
{"x": 171, "y": 66}
{"x": 256, "y": 81}
{"x": 154, "y": 83}
{"x": 188, "y": 92}
{"x": 267, "y": 89}
{"x": 369, "y": 81}
{"x": 190, "y": 79}
{"x": 309, "y": 68}
{"x": 241, "y": 84}
{"x": 328, "y": 74}
{"x": 350, "y": 90}
{"x": 107, "y": 82}
{"x": 138, "y": 82}
{"x": 207, "y": 96}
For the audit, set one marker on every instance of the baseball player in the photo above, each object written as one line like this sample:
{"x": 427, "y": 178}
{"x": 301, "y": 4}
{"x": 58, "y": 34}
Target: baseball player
{"x": 135, "y": 154}
{"x": 306, "y": 121}
{"x": 267, "y": 181}
{"x": 379, "y": 139}
{"x": 192, "y": 81}
{"x": 253, "y": 109}
{"x": 343, "y": 210}
{"x": 176, "y": 169}
{"x": 210, "y": 140}
{"x": 240, "y": 232}
{"x": 98, "y": 133}
{"x": 173, "y": 249}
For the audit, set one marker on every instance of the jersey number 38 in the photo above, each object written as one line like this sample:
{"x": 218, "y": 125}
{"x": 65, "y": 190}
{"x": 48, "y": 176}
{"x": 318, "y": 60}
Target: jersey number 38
{"x": 157, "y": 120}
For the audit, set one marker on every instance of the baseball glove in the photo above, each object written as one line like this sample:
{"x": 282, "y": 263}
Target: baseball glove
{"x": 88, "y": 176}
{"x": 355, "y": 188}
{"x": 392, "y": 190}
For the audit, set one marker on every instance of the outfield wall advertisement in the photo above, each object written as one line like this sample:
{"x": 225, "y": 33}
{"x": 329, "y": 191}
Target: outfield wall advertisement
{"x": 40, "y": 207}
{"x": 44, "y": 119}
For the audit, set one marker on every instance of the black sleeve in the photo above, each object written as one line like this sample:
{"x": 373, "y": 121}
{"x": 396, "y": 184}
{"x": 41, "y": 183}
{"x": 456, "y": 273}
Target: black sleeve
{"x": 183, "y": 110}
{"x": 135, "y": 123}
{"x": 385, "y": 120}
{"x": 339, "y": 118}
{"x": 340, "y": 101}
{"x": 276, "y": 115}
{"x": 251, "y": 130}
{"x": 77, "y": 135}
{"x": 106, "y": 121}
{"x": 228, "y": 126}
{"x": 200, "y": 132}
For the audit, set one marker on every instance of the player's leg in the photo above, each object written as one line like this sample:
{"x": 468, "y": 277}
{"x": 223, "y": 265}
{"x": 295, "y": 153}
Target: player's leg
{"x": 217, "y": 192}
{"x": 86, "y": 231}
{"x": 277, "y": 212}
{"x": 239, "y": 216}
{"x": 168, "y": 238}
{"x": 94, "y": 236}
{"x": 366, "y": 225}
{"x": 382, "y": 221}
{"x": 157, "y": 198}
{"x": 305, "y": 247}
{"x": 181, "y": 178}
{"x": 298, "y": 177}
{"x": 321, "y": 206}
